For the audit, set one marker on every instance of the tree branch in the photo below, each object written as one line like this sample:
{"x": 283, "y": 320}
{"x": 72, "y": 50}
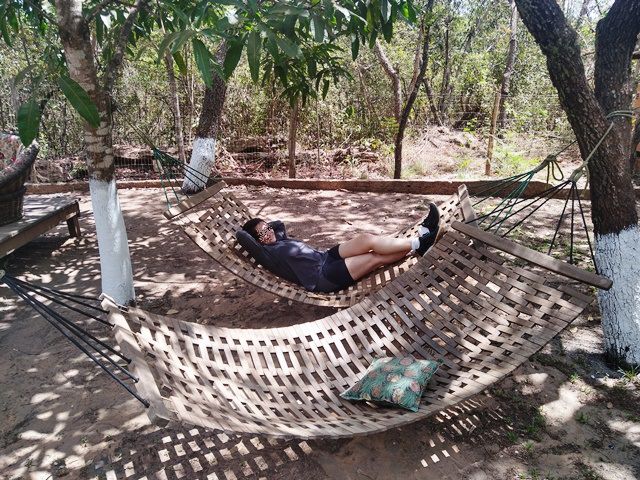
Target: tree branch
{"x": 613, "y": 86}
{"x": 394, "y": 76}
{"x": 102, "y": 5}
{"x": 114, "y": 65}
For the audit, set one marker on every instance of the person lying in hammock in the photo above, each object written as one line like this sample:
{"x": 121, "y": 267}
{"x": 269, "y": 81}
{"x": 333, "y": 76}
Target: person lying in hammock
{"x": 341, "y": 265}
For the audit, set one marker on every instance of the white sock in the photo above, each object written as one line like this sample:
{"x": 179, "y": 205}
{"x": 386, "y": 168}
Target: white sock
{"x": 422, "y": 230}
{"x": 415, "y": 243}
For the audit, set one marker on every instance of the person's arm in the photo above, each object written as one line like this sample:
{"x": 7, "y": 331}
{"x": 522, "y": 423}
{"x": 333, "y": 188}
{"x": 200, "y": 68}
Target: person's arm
{"x": 256, "y": 250}
{"x": 279, "y": 229}
{"x": 263, "y": 257}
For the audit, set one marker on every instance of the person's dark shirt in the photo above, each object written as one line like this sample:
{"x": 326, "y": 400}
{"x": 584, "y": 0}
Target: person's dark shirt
{"x": 304, "y": 261}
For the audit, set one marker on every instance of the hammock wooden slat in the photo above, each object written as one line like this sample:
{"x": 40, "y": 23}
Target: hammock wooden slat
{"x": 211, "y": 218}
{"x": 462, "y": 303}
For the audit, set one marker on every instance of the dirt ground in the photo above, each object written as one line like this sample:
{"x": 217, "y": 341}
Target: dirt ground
{"x": 563, "y": 415}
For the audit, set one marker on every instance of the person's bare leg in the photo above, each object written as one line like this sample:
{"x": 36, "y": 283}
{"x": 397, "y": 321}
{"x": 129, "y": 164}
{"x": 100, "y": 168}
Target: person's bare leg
{"x": 367, "y": 242}
{"x": 361, "y": 265}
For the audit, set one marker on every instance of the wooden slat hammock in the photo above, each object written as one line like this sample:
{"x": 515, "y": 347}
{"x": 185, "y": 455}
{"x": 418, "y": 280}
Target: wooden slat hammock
{"x": 463, "y": 303}
{"x": 212, "y": 217}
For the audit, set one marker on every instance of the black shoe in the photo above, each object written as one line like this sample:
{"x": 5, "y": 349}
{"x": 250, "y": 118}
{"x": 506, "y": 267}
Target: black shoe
{"x": 426, "y": 242}
{"x": 432, "y": 220}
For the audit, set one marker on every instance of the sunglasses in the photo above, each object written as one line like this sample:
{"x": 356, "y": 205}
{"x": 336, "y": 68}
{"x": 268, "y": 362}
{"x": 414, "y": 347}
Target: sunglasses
{"x": 264, "y": 233}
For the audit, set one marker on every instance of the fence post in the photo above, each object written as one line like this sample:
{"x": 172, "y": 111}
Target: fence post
{"x": 492, "y": 132}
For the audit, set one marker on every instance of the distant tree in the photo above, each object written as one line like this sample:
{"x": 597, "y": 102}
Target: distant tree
{"x": 292, "y": 44}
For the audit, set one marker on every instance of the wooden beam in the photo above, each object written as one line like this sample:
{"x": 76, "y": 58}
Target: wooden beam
{"x": 420, "y": 187}
{"x": 532, "y": 256}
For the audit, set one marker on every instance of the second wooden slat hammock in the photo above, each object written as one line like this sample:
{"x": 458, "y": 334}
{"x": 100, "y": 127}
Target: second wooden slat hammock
{"x": 212, "y": 217}
{"x": 463, "y": 303}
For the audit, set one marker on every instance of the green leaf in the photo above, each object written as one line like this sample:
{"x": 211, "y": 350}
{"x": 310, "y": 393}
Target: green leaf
{"x": 385, "y": 10}
{"x": 413, "y": 16}
{"x": 182, "y": 65}
{"x": 355, "y": 46}
{"x": 181, "y": 39}
{"x": 289, "y": 10}
{"x": 409, "y": 12}
{"x": 343, "y": 11}
{"x": 325, "y": 89}
{"x": 254, "y": 45}
{"x": 317, "y": 28}
{"x": 288, "y": 25}
{"x": 13, "y": 19}
{"x": 28, "y": 121}
{"x": 21, "y": 74}
{"x": 387, "y": 30}
{"x": 373, "y": 38}
{"x": 179, "y": 13}
{"x": 5, "y": 31}
{"x": 289, "y": 48}
{"x": 99, "y": 30}
{"x": 80, "y": 100}
{"x": 312, "y": 68}
{"x": 141, "y": 51}
{"x": 170, "y": 37}
{"x": 232, "y": 57}
{"x": 203, "y": 61}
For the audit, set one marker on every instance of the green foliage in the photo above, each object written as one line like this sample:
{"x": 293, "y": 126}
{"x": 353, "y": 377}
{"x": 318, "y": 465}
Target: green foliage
{"x": 28, "y": 121}
{"x": 537, "y": 424}
{"x": 203, "y": 61}
{"x": 507, "y": 162}
{"x": 346, "y": 102}
{"x": 512, "y": 436}
{"x": 79, "y": 171}
{"x": 582, "y": 418}
{"x": 80, "y": 100}
{"x": 630, "y": 374}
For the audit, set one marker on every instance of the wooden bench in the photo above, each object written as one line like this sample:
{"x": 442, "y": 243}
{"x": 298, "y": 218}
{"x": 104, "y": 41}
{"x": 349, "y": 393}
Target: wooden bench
{"x": 41, "y": 214}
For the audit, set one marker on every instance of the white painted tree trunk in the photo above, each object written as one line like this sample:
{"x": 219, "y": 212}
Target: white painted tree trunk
{"x": 618, "y": 258}
{"x": 203, "y": 157}
{"x": 115, "y": 261}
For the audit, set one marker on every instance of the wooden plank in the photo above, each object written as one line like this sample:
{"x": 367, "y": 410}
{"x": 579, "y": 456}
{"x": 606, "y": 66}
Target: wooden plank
{"x": 537, "y": 258}
{"x": 146, "y": 385}
{"x": 466, "y": 206}
{"x": 194, "y": 200}
{"x": 40, "y": 216}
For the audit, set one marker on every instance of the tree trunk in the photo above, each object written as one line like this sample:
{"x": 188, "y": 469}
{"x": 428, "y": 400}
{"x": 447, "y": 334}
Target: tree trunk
{"x": 635, "y": 137}
{"x": 614, "y": 214}
{"x": 175, "y": 106}
{"x": 419, "y": 77}
{"x": 432, "y": 103}
{"x": 293, "y": 131}
{"x": 509, "y": 67}
{"x": 115, "y": 261}
{"x": 371, "y": 112}
{"x": 394, "y": 76}
{"x": 584, "y": 10}
{"x": 203, "y": 154}
{"x": 445, "y": 89}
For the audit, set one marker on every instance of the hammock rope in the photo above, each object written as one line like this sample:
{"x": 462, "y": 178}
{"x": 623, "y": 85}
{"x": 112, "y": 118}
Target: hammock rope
{"x": 97, "y": 350}
{"x": 519, "y": 183}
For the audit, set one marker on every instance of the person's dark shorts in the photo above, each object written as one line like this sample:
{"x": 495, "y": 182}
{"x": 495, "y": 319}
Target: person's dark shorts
{"x": 335, "y": 274}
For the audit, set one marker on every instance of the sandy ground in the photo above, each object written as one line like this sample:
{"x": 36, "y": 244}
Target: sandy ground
{"x": 563, "y": 415}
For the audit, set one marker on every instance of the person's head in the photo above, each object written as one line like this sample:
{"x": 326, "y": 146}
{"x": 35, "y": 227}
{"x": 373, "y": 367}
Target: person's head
{"x": 260, "y": 230}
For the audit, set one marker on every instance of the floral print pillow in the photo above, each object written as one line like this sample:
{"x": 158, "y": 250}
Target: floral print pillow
{"x": 10, "y": 148}
{"x": 394, "y": 381}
